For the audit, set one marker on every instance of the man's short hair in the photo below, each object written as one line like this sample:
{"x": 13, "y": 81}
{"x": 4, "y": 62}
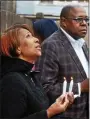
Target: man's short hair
{"x": 66, "y": 10}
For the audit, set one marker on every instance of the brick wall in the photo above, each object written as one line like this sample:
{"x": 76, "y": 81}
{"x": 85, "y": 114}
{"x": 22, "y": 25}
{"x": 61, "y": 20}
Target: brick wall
{"x": 9, "y": 16}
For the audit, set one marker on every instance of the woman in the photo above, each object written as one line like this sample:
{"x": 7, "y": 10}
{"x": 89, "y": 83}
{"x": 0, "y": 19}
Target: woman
{"x": 21, "y": 95}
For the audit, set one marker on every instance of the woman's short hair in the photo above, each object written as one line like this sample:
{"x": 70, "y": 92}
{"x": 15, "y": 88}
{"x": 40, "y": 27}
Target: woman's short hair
{"x": 10, "y": 39}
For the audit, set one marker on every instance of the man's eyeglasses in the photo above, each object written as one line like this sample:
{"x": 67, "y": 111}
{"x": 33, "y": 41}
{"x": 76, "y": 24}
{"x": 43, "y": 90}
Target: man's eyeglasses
{"x": 80, "y": 20}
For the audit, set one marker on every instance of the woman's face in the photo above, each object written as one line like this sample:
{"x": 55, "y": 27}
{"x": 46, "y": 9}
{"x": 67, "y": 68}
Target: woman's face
{"x": 29, "y": 48}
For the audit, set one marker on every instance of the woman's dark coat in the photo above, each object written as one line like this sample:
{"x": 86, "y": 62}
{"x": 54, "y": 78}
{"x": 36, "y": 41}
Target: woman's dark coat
{"x": 21, "y": 96}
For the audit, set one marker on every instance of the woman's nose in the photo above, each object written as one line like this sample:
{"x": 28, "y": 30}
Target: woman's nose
{"x": 36, "y": 40}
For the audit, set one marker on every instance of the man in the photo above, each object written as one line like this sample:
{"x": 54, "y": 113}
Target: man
{"x": 64, "y": 54}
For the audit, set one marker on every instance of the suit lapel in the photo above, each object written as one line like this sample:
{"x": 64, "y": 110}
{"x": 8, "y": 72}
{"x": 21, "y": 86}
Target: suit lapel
{"x": 86, "y": 51}
{"x": 67, "y": 45}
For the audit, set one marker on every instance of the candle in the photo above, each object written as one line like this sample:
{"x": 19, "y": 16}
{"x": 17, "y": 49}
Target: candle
{"x": 64, "y": 85}
{"x": 71, "y": 85}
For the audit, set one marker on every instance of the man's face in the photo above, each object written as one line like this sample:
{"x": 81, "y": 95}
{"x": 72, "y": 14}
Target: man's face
{"x": 76, "y": 23}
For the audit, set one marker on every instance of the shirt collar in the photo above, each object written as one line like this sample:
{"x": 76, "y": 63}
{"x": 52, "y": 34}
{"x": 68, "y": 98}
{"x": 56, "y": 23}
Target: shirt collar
{"x": 74, "y": 42}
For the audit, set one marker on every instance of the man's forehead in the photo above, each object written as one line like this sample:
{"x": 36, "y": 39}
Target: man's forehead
{"x": 78, "y": 12}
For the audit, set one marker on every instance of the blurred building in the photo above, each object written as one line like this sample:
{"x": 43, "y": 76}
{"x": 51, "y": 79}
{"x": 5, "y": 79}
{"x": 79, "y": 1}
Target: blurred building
{"x": 50, "y": 8}
{"x": 25, "y": 11}
{"x": 9, "y": 16}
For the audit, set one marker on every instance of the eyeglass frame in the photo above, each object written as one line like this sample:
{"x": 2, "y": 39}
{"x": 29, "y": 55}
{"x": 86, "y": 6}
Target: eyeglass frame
{"x": 79, "y": 18}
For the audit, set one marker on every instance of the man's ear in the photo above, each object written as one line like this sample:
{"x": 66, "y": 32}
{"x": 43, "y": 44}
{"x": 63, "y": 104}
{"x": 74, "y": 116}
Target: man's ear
{"x": 63, "y": 21}
{"x": 18, "y": 51}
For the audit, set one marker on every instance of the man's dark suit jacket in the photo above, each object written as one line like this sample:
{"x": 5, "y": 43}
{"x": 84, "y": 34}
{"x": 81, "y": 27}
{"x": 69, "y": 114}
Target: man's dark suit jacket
{"x": 59, "y": 60}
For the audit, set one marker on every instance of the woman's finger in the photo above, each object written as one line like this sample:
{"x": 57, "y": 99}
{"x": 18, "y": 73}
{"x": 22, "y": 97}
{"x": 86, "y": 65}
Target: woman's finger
{"x": 60, "y": 99}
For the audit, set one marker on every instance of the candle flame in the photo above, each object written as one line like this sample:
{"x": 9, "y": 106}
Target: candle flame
{"x": 64, "y": 78}
{"x": 71, "y": 78}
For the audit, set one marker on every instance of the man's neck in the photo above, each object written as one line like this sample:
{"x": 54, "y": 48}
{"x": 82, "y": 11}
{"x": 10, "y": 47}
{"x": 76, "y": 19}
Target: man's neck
{"x": 72, "y": 35}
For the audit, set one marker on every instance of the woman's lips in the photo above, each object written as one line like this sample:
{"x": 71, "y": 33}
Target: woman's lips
{"x": 38, "y": 47}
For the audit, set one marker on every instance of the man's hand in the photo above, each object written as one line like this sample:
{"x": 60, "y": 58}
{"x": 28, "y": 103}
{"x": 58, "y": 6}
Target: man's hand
{"x": 85, "y": 85}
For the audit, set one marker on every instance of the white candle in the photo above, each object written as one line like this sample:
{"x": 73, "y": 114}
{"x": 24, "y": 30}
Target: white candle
{"x": 71, "y": 85}
{"x": 64, "y": 85}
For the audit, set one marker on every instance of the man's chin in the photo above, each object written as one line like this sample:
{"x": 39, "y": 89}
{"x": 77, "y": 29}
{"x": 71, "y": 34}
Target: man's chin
{"x": 83, "y": 36}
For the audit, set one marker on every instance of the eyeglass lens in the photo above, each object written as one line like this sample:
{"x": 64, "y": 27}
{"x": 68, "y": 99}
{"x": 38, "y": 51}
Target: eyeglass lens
{"x": 82, "y": 19}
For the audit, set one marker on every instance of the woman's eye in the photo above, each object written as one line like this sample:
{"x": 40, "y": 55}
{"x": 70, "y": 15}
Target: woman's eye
{"x": 28, "y": 35}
